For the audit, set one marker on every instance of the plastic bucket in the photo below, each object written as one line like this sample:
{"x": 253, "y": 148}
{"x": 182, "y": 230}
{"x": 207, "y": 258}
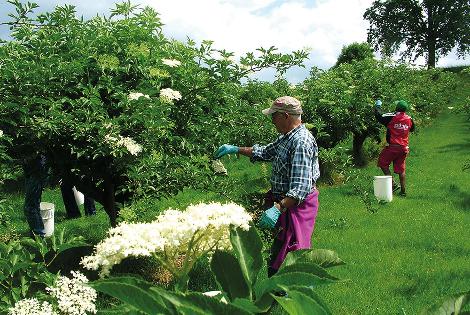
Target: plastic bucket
{"x": 383, "y": 188}
{"x": 47, "y": 215}
{"x": 79, "y": 198}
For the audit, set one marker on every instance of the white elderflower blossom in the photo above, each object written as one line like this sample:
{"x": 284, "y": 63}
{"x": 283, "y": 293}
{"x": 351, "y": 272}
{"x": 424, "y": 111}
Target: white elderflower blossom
{"x": 168, "y": 95}
{"x": 171, "y": 62}
{"x": 133, "y": 147}
{"x": 199, "y": 230}
{"x": 73, "y": 296}
{"x": 1, "y": 133}
{"x": 31, "y": 307}
{"x": 136, "y": 96}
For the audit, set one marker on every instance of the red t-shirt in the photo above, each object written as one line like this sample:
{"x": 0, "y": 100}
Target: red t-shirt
{"x": 399, "y": 127}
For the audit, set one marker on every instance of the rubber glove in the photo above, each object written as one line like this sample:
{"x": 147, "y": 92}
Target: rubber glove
{"x": 378, "y": 103}
{"x": 269, "y": 218}
{"x": 224, "y": 150}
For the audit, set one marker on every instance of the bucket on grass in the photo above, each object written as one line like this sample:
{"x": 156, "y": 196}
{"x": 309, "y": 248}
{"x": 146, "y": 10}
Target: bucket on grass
{"x": 79, "y": 198}
{"x": 383, "y": 188}
{"x": 47, "y": 215}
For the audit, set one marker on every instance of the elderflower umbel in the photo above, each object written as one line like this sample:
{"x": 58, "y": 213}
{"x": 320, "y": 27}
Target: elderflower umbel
{"x": 171, "y": 62}
{"x": 133, "y": 147}
{"x": 168, "y": 95}
{"x": 199, "y": 230}
{"x": 73, "y": 296}
{"x": 136, "y": 96}
{"x": 1, "y": 133}
{"x": 31, "y": 307}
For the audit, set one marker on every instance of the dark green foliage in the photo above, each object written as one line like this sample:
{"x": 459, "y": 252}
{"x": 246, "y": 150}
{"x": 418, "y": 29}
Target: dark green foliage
{"x": 427, "y": 28}
{"x": 355, "y": 52}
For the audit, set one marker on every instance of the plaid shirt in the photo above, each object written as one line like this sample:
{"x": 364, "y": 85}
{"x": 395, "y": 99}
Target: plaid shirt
{"x": 295, "y": 163}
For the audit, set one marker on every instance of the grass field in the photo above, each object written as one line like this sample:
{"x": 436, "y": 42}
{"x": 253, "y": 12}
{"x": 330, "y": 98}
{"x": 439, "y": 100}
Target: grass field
{"x": 404, "y": 257}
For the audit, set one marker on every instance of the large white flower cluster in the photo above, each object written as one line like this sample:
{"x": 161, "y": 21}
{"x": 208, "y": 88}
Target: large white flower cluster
{"x": 73, "y": 296}
{"x": 1, "y": 133}
{"x": 168, "y": 95}
{"x": 171, "y": 62}
{"x": 31, "y": 307}
{"x": 133, "y": 147}
{"x": 136, "y": 96}
{"x": 174, "y": 235}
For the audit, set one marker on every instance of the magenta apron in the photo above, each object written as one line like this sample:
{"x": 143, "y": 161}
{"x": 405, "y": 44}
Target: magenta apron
{"x": 296, "y": 227}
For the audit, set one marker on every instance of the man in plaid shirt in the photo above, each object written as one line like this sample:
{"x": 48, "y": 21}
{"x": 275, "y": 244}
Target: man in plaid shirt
{"x": 292, "y": 201}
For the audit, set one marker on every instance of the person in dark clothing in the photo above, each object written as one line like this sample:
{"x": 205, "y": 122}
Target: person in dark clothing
{"x": 399, "y": 125}
{"x": 35, "y": 178}
{"x": 71, "y": 207}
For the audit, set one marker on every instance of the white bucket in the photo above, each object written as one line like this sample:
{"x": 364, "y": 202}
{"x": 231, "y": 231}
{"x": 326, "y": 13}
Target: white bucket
{"x": 383, "y": 188}
{"x": 79, "y": 198}
{"x": 47, "y": 215}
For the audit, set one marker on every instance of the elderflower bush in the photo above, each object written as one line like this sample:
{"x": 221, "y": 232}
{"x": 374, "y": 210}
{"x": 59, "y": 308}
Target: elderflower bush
{"x": 72, "y": 297}
{"x": 176, "y": 238}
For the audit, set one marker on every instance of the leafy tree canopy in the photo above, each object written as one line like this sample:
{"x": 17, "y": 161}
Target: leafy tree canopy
{"x": 355, "y": 52}
{"x": 429, "y": 28}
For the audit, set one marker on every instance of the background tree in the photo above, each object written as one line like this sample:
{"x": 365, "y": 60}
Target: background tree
{"x": 355, "y": 52}
{"x": 429, "y": 28}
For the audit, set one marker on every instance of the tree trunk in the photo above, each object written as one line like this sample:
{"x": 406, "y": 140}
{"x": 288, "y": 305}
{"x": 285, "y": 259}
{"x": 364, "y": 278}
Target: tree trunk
{"x": 431, "y": 37}
{"x": 358, "y": 150}
{"x": 109, "y": 203}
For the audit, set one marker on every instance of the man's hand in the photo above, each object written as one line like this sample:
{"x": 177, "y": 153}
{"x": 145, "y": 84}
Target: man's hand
{"x": 378, "y": 103}
{"x": 224, "y": 150}
{"x": 269, "y": 218}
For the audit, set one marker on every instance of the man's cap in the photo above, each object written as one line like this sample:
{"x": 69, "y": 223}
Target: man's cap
{"x": 401, "y": 106}
{"x": 284, "y": 104}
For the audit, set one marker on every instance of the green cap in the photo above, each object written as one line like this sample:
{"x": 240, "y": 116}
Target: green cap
{"x": 401, "y": 106}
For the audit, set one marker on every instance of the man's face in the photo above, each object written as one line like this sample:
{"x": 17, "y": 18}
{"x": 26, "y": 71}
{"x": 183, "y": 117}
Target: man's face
{"x": 280, "y": 121}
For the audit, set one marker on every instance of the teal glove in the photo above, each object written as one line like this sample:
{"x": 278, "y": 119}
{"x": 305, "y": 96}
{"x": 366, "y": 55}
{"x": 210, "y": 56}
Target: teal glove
{"x": 378, "y": 103}
{"x": 269, "y": 218}
{"x": 224, "y": 150}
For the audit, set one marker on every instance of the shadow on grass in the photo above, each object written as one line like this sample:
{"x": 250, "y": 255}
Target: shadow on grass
{"x": 455, "y": 147}
{"x": 462, "y": 197}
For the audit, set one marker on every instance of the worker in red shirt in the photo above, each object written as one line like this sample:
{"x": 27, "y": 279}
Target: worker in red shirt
{"x": 399, "y": 125}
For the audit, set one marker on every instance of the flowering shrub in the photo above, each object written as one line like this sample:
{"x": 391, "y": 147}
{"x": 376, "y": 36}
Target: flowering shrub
{"x": 31, "y": 307}
{"x": 176, "y": 238}
{"x": 73, "y": 296}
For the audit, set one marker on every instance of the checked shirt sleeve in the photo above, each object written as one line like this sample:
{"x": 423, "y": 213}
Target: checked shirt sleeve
{"x": 264, "y": 153}
{"x": 304, "y": 171}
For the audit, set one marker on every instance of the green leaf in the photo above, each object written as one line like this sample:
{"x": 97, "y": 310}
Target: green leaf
{"x": 229, "y": 275}
{"x": 306, "y": 267}
{"x": 289, "y": 279}
{"x": 247, "y": 305}
{"x": 299, "y": 303}
{"x": 132, "y": 291}
{"x": 323, "y": 257}
{"x": 119, "y": 310}
{"x": 247, "y": 246}
{"x": 198, "y": 303}
{"x": 451, "y": 305}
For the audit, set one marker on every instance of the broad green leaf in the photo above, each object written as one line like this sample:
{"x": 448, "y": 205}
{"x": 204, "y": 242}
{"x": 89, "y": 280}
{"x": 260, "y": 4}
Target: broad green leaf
{"x": 247, "y": 305}
{"x": 247, "y": 246}
{"x": 289, "y": 279}
{"x": 451, "y": 305}
{"x": 198, "y": 303}
{"x": 306, "y": 267}
{"x": 298, "y": 303}
{"x": 120, "y": 310}
{"x": 308, "y": 291}
{"x": 229, "y": 275}
{"x": 132, "y": 291}
{"x": 323, "y": 257}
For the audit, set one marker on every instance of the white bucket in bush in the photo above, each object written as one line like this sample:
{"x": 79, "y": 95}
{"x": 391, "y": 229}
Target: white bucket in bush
{"x": 47, "y": 215}
{"x": 383, "y": 188}
{"x": 79, "y": 198}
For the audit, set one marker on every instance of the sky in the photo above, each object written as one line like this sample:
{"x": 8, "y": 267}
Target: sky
{"x": 240, "y": 26}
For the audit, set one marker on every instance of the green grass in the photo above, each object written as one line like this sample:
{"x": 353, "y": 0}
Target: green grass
{"x": 409, "y": 254}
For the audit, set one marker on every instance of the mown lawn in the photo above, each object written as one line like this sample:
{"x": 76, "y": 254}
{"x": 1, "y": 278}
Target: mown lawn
{"x": 404, "y": 257}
